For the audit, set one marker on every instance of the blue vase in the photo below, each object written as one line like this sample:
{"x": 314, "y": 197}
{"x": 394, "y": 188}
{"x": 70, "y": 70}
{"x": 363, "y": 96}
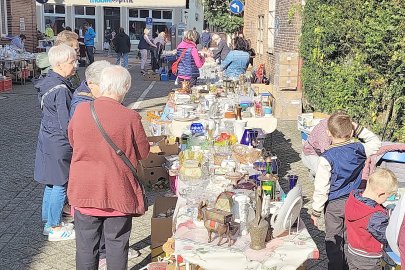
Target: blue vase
{"x": 246, "y": 138}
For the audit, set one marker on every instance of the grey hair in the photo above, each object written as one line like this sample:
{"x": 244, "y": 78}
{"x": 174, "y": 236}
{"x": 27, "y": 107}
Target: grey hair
{"x": 93, "y": 72}
{"x": 115, "y": 80}
{"x": 60, "y": 54}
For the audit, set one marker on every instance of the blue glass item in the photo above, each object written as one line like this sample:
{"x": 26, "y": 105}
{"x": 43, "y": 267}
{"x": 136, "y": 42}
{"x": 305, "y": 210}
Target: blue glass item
{"x": 246, "y": 137}
{"x": 196, "y": 128}
{"x": 292, "y": 179}
{"x": 275, "y": 164}
{"x": 268, "y": 111}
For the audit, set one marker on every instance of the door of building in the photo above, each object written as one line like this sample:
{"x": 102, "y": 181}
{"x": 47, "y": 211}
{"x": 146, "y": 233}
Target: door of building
{"x": 111, "y": 19}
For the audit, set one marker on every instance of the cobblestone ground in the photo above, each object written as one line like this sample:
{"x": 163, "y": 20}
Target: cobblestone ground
{"x": 22, "y": 245}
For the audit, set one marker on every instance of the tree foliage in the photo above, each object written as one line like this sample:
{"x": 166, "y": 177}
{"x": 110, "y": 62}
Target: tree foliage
{"x": 354, "y": 52}
{"x": 218, "y": 15}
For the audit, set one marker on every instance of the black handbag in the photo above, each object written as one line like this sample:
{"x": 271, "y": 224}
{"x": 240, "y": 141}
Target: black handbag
{"x": 120, "y": 153}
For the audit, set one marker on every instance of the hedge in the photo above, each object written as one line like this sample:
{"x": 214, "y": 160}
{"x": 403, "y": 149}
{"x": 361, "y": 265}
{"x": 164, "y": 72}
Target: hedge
{"x": 353, "y": 52}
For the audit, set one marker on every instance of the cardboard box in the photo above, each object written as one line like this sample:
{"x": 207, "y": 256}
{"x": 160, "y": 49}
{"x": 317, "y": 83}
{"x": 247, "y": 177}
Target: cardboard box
{"x": 287, "y": 105}
{"x": 151, "y": 77}
{"x": 288, "y": 70}
{"x": 157, "y": 158}
{"x": 150, "y": 176}
{"x": 288, "y": 82}
{"x": 288, "y": 58}
{"x": 161, "y": 227}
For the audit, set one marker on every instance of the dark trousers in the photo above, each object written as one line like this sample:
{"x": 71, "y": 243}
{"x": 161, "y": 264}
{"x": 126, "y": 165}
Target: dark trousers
{"x": 89, "y": 231}
{"x": 90, "y": 53}
{"x": 363, "y": 263}
{"x": 335, "y": 234}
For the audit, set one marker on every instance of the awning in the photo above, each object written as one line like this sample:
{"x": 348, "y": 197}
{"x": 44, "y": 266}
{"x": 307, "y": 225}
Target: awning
{"x": 125, "y": 3}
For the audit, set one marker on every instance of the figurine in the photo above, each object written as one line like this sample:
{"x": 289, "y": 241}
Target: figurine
{"x": 217, "y": 221}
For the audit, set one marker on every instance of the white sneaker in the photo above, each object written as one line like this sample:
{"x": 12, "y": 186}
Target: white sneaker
{"x": 66, "y": 232}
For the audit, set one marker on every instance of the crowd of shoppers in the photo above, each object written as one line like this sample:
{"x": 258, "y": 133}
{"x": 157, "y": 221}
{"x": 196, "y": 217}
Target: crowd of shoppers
{"x": 101, "y": 190}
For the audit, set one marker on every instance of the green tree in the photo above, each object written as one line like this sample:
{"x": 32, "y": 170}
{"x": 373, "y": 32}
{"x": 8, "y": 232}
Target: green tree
{"x": 218, "y": 15}
{"x": 354, "y": 52}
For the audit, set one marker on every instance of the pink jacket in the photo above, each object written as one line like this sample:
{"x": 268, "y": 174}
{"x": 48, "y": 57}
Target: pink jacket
{"x": 199, "y": 61}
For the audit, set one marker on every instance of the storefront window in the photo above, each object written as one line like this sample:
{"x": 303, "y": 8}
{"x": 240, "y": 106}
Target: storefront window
{"x": 144, "y": 13}
{"x": 156, "y": 14}
{"x": 79, "y": 10}
{"x": 85, "y": 14}
{"x": 134, "y": 13}
{"x": 59, "y": 9}
{"x": 167, "y": 15}
{"x": 56, "y": 23}
{"x": 55, "y": 17}
{"x": 162, "y": 21}
{"x": 136, "y": 29}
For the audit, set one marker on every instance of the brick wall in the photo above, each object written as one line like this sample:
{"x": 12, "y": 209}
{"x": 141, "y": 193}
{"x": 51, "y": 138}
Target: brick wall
{"x": 286, "y": 31}
{"x": 17, "y": 9}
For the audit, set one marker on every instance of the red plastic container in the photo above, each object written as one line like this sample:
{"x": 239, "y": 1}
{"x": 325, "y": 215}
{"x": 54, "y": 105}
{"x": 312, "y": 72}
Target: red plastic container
{"x": 6, "y": 84}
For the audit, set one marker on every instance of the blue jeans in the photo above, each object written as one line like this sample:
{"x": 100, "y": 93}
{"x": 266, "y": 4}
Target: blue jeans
{"x": 52, "y": 204}
{"x": 124, "y": 58}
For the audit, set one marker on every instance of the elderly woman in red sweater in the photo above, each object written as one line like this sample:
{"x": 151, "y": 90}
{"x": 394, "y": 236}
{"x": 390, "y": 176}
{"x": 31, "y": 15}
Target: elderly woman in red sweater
{"x": 102, "y": 189}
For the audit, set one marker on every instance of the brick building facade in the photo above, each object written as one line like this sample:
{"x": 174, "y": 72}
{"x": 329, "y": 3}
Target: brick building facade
{"x": 21, "y": 19}
{"x": 273, "y": 27}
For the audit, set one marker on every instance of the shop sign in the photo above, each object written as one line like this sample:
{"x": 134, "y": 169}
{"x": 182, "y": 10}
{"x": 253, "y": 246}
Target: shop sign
{"x": 111, "y": 1}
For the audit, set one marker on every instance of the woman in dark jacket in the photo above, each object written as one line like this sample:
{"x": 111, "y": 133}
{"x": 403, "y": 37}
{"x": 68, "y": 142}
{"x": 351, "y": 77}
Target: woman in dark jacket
{"x": 102, "y": 189}
{"x": 122, "y": 46}
{"x": 53, "y": 154}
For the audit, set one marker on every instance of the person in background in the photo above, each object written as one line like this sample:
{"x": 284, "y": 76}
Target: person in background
{"x": 190, "y": 60}
{"x": 102, "y": 189}
{"x": 122, "y": 46}
{"x": 251, "y": 52}
{"x": 237, "y": 60}
{"x": 366, "y": 220}
{"x": 18, "y": 42}
{"x": 339, "y": 172}
{"x": 206, "y": 38}
{"x": 89, "y": 41}
{"x": 40, "y": 35}
{"x": 223, "y": 49}
{"x": 49, "y": 31}
{"x": 68, "y": 38}
{"x": 198, "y": 36}
{"x": 160, "y": 42}
{"x": 89, "y": 89}
{"x": 68, "y": 28}
{"x": 144, "y": 45}
{"x": 317, "y": 143}
{"x": 53, "y": 153}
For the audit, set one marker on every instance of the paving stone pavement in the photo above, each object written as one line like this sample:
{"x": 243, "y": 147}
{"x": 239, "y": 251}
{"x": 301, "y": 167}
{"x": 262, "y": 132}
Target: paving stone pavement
{"x": 22, "y": 245}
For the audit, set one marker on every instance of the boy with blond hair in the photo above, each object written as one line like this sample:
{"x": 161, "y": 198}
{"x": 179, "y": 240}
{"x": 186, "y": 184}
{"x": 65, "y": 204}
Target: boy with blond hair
{"x": 338, "y": 174}
{"x": 366, "y": 220}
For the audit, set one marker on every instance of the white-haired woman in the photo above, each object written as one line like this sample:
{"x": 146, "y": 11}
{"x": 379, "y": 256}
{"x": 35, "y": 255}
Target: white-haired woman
{"x": 144, "y": 45}
{"x": 102, "y": 189}
{"x": 89, "y": 89}
{"x": 53, "y": 153}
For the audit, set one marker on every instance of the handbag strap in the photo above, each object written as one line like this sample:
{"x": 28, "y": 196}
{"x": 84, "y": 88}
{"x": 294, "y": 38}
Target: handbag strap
{"x": 118, "y": 151}
{"x": 182, "y": 54}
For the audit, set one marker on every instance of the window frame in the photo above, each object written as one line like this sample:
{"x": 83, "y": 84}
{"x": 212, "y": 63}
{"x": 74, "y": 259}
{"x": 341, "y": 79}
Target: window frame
{"x": 139, "y": 19}
{"x": 55, "y": 15}
{"x": 85, "y": 16}
{"x": 260, "y": 34}
{"x": 271, "y": 27}
{"x": 4, "y": 20}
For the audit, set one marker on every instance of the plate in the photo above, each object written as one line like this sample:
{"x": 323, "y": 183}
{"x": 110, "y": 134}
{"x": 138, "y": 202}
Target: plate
{"x": 185, "y": 119}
